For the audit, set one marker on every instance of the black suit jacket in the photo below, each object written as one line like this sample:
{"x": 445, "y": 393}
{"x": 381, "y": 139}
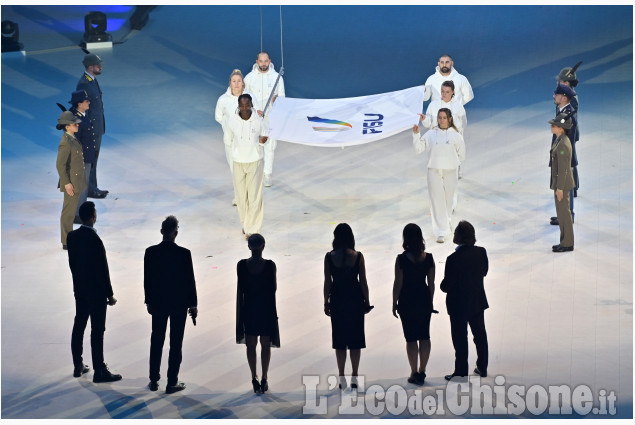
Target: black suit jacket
{"x": 89, "y": 266}
{"x": 169, "y": 277}
{"x": 463, "y": 281}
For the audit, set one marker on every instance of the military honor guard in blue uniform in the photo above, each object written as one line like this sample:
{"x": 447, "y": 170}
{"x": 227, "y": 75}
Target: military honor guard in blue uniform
{"x": 80, "y": 104}
{"x": 88, "y": 83}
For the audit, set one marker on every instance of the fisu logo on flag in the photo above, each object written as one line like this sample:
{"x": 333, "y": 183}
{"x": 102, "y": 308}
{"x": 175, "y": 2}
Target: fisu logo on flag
{"x": 329, "y": 125}
{"x": 347, "y": 121}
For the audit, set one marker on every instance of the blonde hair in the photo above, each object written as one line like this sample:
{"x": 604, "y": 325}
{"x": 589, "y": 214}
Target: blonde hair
{"x": 237, "y": 72}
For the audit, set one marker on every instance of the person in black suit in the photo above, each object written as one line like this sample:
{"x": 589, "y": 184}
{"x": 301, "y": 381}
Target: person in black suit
{"x": 170, "y": 292}
{"x": 466, "y": 300}
{"x": 93, "y": 293}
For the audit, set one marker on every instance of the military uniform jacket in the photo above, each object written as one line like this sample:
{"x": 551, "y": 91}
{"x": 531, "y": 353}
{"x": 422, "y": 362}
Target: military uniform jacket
{"x": 573, "y": 132}
{"x": 86, "y": 135}
{"x": 96, "y": 111}
{"x": 561, "y": 173}
{"x": 70, "y": 164}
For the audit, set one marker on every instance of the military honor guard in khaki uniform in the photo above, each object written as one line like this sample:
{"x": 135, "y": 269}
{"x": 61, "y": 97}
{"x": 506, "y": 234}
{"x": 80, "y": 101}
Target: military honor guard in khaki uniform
{"x": 70, "y": 167}
{"x": 562, "y": 180}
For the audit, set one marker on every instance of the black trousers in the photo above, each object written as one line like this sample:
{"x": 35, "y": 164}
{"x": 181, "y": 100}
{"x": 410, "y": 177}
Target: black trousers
{"x": 96, "y": 310}
{"x": 458, "y": 325}
{"x": 177, "y": 329}
{"x": 92, "y": 179}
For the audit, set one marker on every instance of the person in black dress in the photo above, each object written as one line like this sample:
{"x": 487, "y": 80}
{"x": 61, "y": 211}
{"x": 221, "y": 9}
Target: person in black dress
{"x": 346, "y": 299}
{"x": 412, "y": 299}
{"x": 256, "y": 313}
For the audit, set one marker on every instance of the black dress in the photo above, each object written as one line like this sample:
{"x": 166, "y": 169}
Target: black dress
{"x": 256, "y": 312}
{"x": 347, "y": 306}
{"x": 415, "y": 304}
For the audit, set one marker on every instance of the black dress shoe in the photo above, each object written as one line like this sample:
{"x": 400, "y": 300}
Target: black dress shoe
{"x": 421, "y": 378}
{"x": 171, "y": 389}
{"x": 105, "y": 192}
{"x": 554, "y": 221}
{"x": 255, "y": 384}
{"x": 413, "y": 378}
{"x": 449, "y": 377}
{"x": 153, "y": 385}
{"x": 104, "y": 375}
{"x": 479, "y": 373}
{"x": 561, "y": 248}
{"x": 97, "y": 195}
{"x": 80, "y": 370}
{"x": 575, "y": 193}
{"x": 354, "y": 383}
{"x": 264, "y": 385}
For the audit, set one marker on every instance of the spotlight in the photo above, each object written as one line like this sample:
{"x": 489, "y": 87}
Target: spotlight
{"x": 10, "y": 37}
{"x": 95, "y": 25}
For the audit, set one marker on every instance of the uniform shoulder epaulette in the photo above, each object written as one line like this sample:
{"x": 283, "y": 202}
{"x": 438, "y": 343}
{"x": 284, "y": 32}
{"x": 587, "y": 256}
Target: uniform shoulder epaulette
{"x": 88, "y": 77}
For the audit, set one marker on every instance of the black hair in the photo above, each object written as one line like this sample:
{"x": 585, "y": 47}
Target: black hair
{"x": 87, "y": 211}
{"x": 343, "y": 237}
{"x": 464, "y": 233}
{"x": 255, "y": 240}
{"x": 245, "y": 96}
{"x": 169, "y": 225}
{"x": 413, "y": 241}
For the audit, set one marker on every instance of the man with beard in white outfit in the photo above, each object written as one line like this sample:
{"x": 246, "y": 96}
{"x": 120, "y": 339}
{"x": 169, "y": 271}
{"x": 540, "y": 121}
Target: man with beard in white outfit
{"x": 260, "y": 83}
{"x": 445, "y": 71}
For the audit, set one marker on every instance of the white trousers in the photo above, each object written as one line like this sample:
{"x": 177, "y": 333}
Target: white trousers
{"x": 230, "y": 161}
{"x": 248, "y": 179}
{"x": 269, "y": 149}
{"x": 441, "y": 188}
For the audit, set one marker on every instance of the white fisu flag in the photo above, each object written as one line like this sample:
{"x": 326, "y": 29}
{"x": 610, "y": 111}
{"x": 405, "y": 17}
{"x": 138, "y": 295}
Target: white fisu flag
{"x": 345, "y": 122}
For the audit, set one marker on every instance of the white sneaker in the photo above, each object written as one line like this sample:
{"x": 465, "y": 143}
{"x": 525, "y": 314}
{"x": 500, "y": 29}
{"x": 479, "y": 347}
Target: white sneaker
{"x": 441, "y": 239}
{"x": 268, "y": 180}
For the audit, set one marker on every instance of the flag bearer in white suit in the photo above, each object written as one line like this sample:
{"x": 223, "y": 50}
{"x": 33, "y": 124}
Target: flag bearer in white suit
{"x": 445, "y": 71}
{"x": 226, "y": 107}
{"x": 260, "y": 82}
{"x": 448, "y": 100}
{"x": 447, "y": 151}
{"x": 248, "y": 135}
